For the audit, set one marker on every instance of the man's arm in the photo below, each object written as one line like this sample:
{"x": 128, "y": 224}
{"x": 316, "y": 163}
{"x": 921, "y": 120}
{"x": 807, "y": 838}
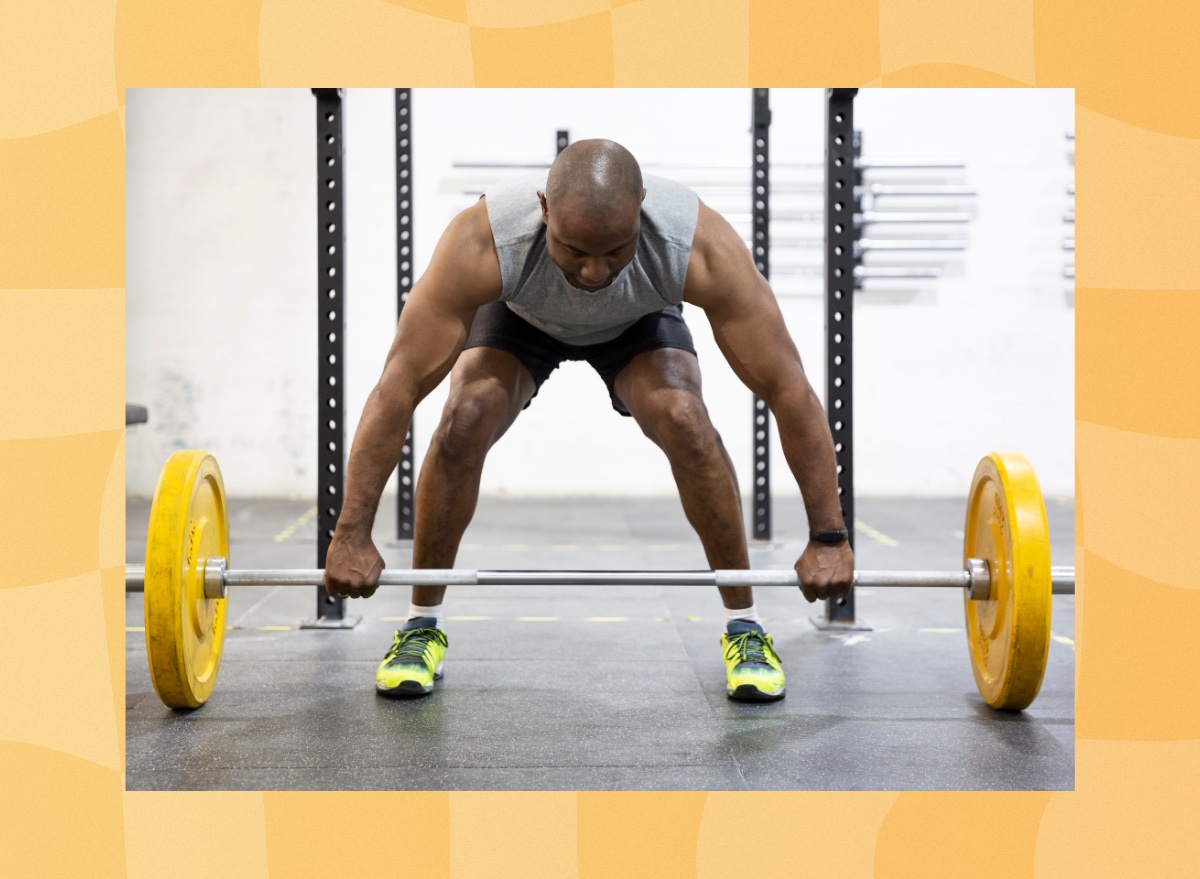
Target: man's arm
{"x": 750, "y": 331}
{"x": 463, "y": 274}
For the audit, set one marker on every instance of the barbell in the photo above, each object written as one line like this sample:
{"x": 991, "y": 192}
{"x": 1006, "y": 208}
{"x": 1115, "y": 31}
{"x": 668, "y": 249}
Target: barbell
{"x": 1007, "y": 580}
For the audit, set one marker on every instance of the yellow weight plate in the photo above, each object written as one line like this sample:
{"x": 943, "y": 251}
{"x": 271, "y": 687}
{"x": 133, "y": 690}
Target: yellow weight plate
{"x": 184, "y": 630}
{"x": 1009, "y": 633}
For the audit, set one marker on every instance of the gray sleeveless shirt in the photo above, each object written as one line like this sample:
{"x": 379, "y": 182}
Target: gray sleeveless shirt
{"x": 535, "y": 289}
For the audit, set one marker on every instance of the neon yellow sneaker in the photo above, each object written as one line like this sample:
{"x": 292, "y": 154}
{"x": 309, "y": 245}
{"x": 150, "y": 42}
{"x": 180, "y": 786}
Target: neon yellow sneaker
{"x": 414, "y": 661}
{"x": 752, "y": 668}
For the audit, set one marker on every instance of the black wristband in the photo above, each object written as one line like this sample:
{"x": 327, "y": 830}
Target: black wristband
{"x": 829, "y": 536}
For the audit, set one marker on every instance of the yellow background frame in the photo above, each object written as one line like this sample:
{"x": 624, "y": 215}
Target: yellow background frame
{"x": 65, "y": 65}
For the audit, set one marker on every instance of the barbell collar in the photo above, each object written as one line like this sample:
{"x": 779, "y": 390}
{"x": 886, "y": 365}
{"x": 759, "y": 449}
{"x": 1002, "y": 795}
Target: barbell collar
{"x": 218, "y": 579}
{"x": 215, "y": 583}
{"x": 979, "y": 579}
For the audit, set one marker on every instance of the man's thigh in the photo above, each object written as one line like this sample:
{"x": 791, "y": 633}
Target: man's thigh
{"x": 655, "y": 379}
{"x": 656, "y": 351}
{"x": 496, "y": 329}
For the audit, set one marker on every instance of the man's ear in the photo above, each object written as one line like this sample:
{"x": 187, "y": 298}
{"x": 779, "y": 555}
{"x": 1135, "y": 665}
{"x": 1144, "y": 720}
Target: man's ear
{"x": 643, "y": 193}
{"x": 545, "y": 210}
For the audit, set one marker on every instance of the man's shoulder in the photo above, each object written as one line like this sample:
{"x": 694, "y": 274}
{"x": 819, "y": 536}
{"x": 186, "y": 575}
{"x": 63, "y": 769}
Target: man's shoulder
{"x": 718, "y": 254}
{"x": 471, "y": 229}
{"x": 663, "y": 193}
{"x": 671, "y": 210}
{"x": 467, "y": 254}
{"x": 513, "y": 209}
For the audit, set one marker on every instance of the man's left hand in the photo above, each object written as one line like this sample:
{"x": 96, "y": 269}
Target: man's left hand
{"x": 826, "y": 570}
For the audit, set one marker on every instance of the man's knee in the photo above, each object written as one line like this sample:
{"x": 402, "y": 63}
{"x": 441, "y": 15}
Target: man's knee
{"x": 471, "y": 422}
{"x": 679, "y": 423}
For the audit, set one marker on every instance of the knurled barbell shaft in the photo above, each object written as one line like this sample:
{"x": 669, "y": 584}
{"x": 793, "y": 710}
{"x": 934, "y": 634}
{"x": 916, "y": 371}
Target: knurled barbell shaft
{"x": 1062, "y": 578}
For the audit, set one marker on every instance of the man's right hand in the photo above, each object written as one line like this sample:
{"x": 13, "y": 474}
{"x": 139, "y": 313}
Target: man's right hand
{"x": 352, "y": 566}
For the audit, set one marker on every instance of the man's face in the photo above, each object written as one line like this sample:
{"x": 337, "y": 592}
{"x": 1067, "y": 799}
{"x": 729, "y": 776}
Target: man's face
{"x": 591, "y": 247}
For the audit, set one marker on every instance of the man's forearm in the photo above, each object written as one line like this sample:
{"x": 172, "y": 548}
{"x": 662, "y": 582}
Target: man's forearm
{"x": 808, "y": 448}
{"x": 378, "y": 443}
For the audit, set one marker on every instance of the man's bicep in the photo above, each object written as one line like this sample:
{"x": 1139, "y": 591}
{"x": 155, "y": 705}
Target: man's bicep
{"x": 463, "y": 274}
{"x": 741, "y": 307}
{"x": 750, "y": 331}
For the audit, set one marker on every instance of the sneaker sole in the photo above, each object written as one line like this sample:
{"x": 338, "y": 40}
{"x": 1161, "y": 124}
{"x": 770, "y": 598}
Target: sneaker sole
{"x": 751, "y": 693}
{"x": 407, "y": 689}
{"x": 404, "y": 690}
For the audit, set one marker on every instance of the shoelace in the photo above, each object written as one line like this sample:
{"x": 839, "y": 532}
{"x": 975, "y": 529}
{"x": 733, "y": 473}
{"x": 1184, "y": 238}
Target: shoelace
{"x": 414, "y": 644}
{"x": 748, "y": 647}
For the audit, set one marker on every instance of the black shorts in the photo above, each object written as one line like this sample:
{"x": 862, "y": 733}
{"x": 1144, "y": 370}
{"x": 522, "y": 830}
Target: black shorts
{"x": 496, "y": 326}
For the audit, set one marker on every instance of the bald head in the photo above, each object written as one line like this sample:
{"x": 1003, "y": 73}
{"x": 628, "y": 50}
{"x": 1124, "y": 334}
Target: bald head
{"x": 592, "y": 208}
{"x": 600, "y": 174}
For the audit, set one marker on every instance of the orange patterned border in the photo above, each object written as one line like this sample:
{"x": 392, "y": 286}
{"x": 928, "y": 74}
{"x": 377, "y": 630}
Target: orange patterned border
{"x": 63, "y": 808}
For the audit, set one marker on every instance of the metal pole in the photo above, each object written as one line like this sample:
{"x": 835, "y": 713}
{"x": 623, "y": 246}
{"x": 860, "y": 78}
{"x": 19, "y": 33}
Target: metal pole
{"x": 760, "y": 182}
{"x": 404, "y": 278}
{"x": 841, "y": 179}
{"x": 1062, "y": 578}
{"x": 331, "y": 281}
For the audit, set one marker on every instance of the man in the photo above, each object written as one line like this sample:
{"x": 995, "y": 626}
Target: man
{"x": 593, "y": 266}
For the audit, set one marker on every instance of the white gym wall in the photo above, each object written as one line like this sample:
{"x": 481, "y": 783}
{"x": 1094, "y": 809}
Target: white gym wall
{"x": 221, "y": 263}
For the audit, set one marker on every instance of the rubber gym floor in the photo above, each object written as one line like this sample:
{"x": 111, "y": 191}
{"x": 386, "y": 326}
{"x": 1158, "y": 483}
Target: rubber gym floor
{"x": 613, "y": 688}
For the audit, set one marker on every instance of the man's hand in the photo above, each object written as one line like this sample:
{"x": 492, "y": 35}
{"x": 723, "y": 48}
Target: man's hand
{"x": 352, "y": 566}
{"x": 826, "y": 570}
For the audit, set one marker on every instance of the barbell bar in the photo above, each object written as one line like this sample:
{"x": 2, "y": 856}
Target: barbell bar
{"x": 974, "y": 580}
{"x": 1007, "y": 580}
{"x": 874, "y": 218}
{"x": 920, "y": 190}
{"x": 868, "y": 273}
{"x": 865, "y": 245}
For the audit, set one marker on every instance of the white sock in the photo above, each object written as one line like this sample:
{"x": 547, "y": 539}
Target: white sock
{"x": 416, "y": 610}
{"x": 747, "y": 613}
